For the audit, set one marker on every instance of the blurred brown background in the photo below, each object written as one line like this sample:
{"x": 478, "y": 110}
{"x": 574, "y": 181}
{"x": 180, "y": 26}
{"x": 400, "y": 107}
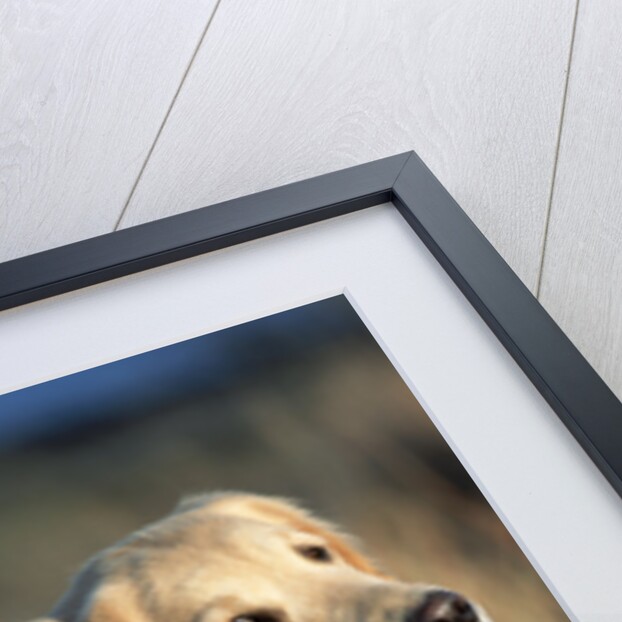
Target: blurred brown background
{"x": 328, "y": 421}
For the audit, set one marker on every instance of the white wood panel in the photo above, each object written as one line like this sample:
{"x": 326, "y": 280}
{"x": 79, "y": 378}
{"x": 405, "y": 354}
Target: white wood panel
{"x": 282, "y": 91}
{"x": 84, "y": 87}
{"x": 582, "y": 275}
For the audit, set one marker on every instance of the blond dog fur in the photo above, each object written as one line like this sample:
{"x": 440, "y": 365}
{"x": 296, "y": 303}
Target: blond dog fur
{"x": 234, "y": 557}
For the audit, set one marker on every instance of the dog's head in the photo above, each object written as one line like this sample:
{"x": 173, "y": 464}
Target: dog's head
{"x": 245, "y": 558}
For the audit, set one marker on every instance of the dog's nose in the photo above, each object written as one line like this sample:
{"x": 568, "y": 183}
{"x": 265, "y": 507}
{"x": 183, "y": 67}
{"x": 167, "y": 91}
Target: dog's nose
{"x": 443, "y": 606}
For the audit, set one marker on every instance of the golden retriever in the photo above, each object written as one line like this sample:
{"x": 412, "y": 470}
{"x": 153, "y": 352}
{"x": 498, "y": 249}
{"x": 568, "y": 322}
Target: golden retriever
{"x": 234, "y": 557}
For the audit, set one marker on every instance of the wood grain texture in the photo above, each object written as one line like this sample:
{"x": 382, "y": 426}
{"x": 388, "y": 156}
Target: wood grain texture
{"x": 280, "y": 92}
{"x": 84, "y": 87}
{"x": 582, "y": 271}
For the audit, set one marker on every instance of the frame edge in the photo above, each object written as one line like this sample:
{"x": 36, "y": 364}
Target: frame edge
{"x": 562, "y": 375}
{"x": 120, "y": 253}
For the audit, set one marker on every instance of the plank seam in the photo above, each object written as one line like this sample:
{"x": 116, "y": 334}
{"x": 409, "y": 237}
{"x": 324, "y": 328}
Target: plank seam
{"x": 547, "y": 218}
{"x": 166, "y": 115}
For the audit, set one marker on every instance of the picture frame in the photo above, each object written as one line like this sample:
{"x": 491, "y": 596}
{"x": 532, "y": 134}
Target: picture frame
{"x": 572, "y": 389}
{"x": 581, "y": 399}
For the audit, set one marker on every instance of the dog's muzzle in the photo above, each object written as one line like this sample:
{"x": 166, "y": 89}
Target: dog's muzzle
{"x": 443, "y": 606}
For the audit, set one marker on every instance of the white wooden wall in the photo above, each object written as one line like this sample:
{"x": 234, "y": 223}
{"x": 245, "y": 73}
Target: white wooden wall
{"x": 116, "y": 113}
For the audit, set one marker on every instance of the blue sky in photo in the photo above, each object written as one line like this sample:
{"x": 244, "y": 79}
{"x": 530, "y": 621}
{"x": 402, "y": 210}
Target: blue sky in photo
{"x": 148, "y": 380}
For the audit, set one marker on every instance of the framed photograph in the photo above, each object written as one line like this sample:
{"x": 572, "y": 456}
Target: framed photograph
{"x": 350, "y": 344}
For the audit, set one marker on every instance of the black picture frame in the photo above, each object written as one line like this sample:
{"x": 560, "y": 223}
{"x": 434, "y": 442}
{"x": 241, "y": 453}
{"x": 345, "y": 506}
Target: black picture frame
{"x": 572, "y": 388}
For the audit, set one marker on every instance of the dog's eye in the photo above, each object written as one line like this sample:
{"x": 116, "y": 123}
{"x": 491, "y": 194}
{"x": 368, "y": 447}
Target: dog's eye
{"x": 256, "y": 617}
{"x": 315, "y": 553}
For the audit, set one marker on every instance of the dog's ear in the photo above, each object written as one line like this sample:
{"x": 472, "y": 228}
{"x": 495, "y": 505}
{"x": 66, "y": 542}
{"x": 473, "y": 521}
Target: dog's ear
{"x": 110, "y": 603}
{"x": 92, "y": 599}
{"x": 115, "y": 602}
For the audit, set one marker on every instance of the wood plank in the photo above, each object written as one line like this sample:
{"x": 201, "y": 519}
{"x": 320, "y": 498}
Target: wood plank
{"x": 84, "y": 87}
{"x": 582, "y": 272}
{"x": 282, "y": 92}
